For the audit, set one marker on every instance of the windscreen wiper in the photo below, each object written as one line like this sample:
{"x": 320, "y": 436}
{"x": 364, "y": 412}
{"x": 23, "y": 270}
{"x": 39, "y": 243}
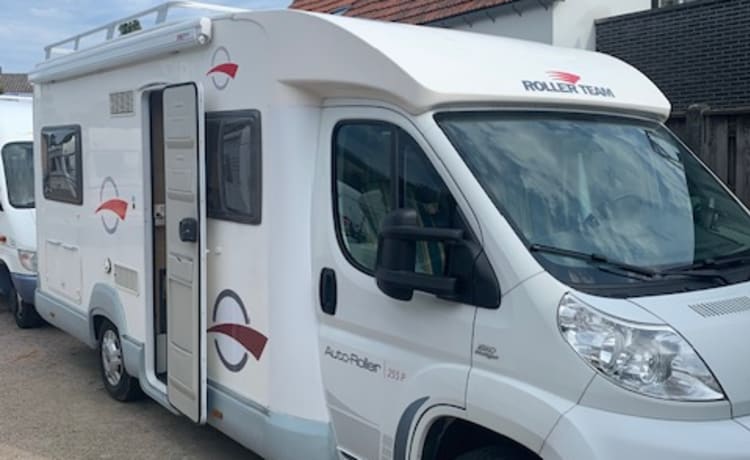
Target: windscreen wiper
{"x": 735, "y": 258}
{"x": 601, "y": 262}
{"x": 594, "y": 259}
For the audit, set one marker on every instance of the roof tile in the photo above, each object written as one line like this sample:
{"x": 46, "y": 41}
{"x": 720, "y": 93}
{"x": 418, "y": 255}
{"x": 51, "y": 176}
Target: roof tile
{"x": 411, "y": 11}
{"x": 15, "y": 83}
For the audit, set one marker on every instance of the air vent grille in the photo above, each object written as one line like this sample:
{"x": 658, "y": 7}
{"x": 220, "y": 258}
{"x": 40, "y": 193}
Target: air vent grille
{"x": 121, "y": 103}
{"x": 722, "y": 307}
{"x": 126, "y": 278}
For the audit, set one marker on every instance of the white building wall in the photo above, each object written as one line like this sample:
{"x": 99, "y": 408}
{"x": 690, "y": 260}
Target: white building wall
{"x": 567, "y": 23}
{"x": 573, "y": 20}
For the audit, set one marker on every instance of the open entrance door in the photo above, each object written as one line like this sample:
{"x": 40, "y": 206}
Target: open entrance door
{"x": 184, "y": 182}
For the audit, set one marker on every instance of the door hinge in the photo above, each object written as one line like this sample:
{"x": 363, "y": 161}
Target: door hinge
{"x": 160, "y": 215}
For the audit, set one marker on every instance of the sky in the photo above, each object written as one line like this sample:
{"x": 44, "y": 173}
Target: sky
{"x": 26, "y": 26}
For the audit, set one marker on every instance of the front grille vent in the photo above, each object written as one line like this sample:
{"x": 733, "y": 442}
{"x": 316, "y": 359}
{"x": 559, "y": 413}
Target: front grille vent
{"x": 722, "y": 307}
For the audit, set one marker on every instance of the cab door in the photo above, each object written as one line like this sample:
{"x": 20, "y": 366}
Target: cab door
{"x": 383, "y": 360}
{"x": 185, "y": 245}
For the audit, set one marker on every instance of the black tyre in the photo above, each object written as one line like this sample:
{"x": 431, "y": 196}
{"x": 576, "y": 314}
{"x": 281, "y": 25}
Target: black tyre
{"x": 24, "y": 313}
{"x": 119, "y": 384}
{"x": 493, "y": 453}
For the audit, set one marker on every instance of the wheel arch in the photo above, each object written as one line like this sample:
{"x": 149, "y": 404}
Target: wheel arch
{"x": 446, "y": 431}
{"x": 105, "y": 304}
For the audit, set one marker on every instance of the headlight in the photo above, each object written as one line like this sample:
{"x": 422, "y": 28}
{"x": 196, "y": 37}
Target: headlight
{"x": 649, "y": 359}
{"x": 28, "y": 259}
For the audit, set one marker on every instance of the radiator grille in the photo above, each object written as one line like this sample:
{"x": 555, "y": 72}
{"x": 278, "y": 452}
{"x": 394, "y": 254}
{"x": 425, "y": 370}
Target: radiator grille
{"x": 722, "y": 307}
{"x": 121, "y": 103}
{"x": 126, "y": 278}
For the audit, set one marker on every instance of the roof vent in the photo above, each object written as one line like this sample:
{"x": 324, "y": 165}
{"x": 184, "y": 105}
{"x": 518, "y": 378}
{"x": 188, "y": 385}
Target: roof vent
{"x": 722, "y": 307}
{"x": 121, "y": 103}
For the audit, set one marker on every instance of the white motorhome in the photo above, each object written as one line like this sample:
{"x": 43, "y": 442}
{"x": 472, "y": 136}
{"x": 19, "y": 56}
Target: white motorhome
{"x": 331, "y": 237}
{"x": 17, "y": 222}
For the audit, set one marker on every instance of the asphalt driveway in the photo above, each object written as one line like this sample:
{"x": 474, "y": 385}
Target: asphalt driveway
{"x": 54, "y": 406}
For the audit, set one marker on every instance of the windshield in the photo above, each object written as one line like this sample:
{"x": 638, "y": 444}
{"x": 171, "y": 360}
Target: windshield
{"x": 622, "y": 189}
{"x": 18, "y": 161}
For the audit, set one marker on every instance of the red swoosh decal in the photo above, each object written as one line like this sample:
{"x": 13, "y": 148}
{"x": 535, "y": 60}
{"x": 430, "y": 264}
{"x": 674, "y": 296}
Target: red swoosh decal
{"x": 564, "y": 76}
{"x": 116, "y": 205}
{"x": 228, "y": 68}
{"x": 252, "y": 340}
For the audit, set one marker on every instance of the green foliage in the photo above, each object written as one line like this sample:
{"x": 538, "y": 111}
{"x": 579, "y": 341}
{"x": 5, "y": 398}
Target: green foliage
{"x": 129, "y": 27}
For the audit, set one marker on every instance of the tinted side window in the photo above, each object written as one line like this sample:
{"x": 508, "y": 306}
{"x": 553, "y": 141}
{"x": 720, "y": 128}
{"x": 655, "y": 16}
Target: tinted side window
{"x": 424, "y": 190}
{"x": 18, "y": 162}
{"x": 233, "y": 166}
{"x": 62, "y": 164}
{"x": 363, "y": 157}
{"x": 379, "y": 167}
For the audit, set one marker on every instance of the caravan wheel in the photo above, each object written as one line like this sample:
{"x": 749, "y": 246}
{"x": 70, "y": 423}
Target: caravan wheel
{"x": 119, "y": 384}
{"x": 24, "y": 313}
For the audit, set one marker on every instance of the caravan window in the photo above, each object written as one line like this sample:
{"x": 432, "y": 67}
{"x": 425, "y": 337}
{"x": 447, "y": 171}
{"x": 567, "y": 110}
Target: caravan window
{"x": 379, "y": 167}
{"x": 61, "y": 163}
{"x": 233, "y": 166}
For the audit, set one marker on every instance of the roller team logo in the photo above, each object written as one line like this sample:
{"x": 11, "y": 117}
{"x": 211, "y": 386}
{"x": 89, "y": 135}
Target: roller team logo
{"x": 565, "y": 82}
{"x": 222, "y": 68}
{"x": 235, "y": 338}
{"x": 112, "y": 209}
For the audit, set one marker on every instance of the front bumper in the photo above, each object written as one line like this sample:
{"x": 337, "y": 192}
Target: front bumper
{"x": 25, "y": 286}
{"x": 589, "y": 434}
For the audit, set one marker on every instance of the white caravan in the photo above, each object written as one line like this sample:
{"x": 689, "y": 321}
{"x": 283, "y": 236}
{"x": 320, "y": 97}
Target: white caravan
{"x": 17, "y": 223}
{"x": 331, "y": 237}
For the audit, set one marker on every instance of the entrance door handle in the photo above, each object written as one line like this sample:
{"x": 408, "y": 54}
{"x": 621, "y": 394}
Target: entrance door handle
{"x": 327, "y": 291}
{"x": 189, "y": 230}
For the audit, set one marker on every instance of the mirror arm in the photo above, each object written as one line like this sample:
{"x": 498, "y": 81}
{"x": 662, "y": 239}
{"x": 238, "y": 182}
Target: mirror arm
{"x": 437, "y": 285}
{"x": 415, "y": 233}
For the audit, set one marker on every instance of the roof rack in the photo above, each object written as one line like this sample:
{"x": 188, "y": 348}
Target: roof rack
{"x": 73, "y": 44}
{"x": 15, "y": 98}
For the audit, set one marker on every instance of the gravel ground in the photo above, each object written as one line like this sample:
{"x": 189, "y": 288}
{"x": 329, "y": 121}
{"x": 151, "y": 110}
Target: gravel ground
{"x": 53, "y": 405}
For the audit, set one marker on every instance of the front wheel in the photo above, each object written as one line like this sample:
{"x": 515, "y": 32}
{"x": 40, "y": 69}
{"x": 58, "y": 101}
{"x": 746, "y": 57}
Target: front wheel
{"x": 119, "y": 384}
{"x": 494, "y": 453}
{"x": 24, "y": 313}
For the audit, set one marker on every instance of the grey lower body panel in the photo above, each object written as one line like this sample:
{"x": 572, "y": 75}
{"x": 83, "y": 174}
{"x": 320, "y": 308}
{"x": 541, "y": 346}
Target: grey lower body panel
{"x": 272, "y": 435}
{"x": 25, "y": 286}
{"x": 134, "y": 359}
{"x": 64, "y": 317}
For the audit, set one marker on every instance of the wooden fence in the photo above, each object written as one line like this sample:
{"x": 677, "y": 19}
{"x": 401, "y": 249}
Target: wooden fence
{"x": 721, "y": 138}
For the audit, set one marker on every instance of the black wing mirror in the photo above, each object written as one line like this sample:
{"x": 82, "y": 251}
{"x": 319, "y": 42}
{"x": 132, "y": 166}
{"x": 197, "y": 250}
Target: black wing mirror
{"x": 468, "y": 277}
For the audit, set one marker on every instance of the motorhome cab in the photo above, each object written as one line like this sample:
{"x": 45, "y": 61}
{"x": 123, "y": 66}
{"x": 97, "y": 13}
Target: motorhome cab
{"x": 331, "y": 237}
{"x": 17, "y": 223}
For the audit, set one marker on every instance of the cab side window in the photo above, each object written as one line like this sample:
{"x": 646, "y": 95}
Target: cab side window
{"x": 378, "y": 167}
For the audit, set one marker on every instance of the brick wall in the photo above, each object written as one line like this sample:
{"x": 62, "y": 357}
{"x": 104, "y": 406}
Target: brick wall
{"x": 698, "y": 52}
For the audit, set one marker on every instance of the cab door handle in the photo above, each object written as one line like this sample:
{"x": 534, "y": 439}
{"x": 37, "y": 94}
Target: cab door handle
{"x": 327, "y": 291}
